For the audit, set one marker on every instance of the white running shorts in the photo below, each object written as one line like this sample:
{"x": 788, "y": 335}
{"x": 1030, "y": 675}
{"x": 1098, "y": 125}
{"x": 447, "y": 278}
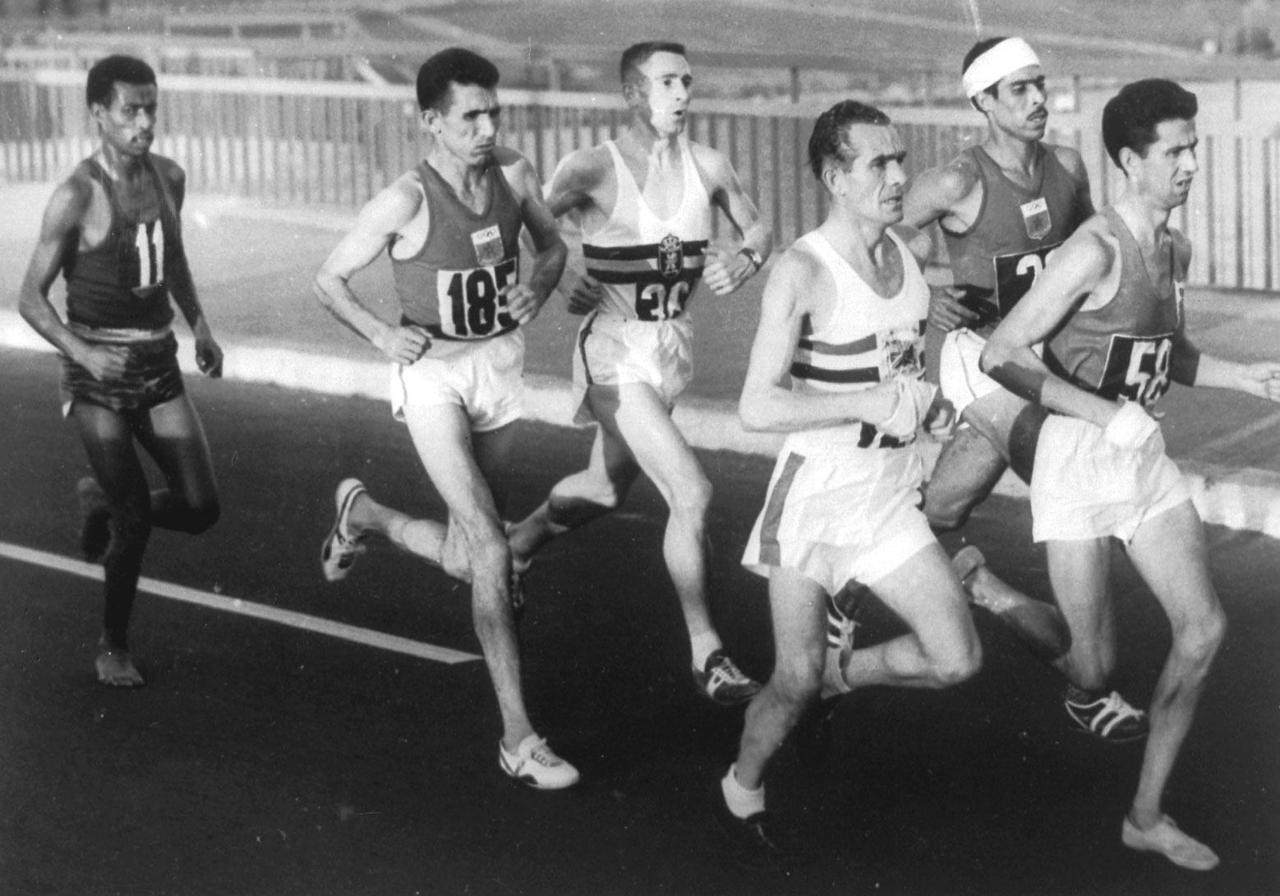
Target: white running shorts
{"x": 484, "y": 378}
{"x": 612, "y": 350}
{"x": 841, "y": 515}
{"x": 1084, "y": 487}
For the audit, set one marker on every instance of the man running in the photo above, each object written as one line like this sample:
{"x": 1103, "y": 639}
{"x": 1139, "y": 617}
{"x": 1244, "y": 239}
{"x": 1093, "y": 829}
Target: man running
{"x": 838, "y": 365}
{"x": 113, "y": 230}
{"x": 1003, "y": 206}
{"x": 451, "y": 228}
{"x": 644, "y": 204}
{"x": 1108, "y": 309}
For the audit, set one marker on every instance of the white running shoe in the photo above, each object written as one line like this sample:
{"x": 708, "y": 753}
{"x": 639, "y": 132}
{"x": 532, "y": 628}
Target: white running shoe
{"x": 1166, "y": 838}
{"x": 1109, "y": 717}
{"x": 536, "y": 764}
{"x": 340, "y": 547}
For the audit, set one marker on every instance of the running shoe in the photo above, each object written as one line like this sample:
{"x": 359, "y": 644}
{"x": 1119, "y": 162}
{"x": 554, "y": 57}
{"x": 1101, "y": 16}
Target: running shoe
{"x": 723, "y": 682}
{"x": 1166, "y": 838}
{"x": 1108, "y": 717}
{"x": 753, "y": 840}
{"x": 95, "y": 519}
{"x": 341, "y": 547}
{"x": 536, "y": 764}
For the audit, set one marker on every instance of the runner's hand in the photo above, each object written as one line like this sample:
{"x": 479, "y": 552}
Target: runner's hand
{"x": 104, "y": 362}
{"x": 523, "y": 303}
{"x": 209, "y": 357}
{"x": 946, "y": 311}
{"x": 724, "y": 271}
{"x": 586, "y": 295}
{"x": 404, "y": 345}
{"x": 915, "y": 398}
{"x": 1130, "y": 426}
{"x": 1261, "y": 379}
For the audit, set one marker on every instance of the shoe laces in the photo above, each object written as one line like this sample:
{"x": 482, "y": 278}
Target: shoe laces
{"x": 1116, "y": 704}
{"x": 542, "y": 754}
{"x": 840, "y": 628}
{"x": 724, "y": 671}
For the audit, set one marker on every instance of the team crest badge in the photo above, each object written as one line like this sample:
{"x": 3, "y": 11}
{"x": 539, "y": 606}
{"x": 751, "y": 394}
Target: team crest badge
{"x": 488, "y": 245}
{"x": 1035, "y": 217}
{"x": 671, "y": 257}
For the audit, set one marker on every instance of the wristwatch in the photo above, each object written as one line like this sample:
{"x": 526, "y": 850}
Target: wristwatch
{"x": 757, "y": 262}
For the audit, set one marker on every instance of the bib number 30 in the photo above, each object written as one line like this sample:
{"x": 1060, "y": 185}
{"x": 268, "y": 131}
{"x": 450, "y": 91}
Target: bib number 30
{"x": 471, "y": 302}
{"x": 658, "y": 301}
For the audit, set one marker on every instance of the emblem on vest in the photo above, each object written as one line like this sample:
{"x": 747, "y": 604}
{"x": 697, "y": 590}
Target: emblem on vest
{"x": 1035, "y": 217}
{"x": 488, "y": 245}
{"x": 671, "y": 257}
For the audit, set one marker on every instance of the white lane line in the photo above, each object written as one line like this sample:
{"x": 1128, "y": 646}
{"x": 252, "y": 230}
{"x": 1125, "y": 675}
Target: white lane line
{"x": 303, "y": 621}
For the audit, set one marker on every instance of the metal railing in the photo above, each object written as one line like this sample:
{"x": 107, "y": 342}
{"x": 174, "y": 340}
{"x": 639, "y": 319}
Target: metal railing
{"x": 286, "y": 143}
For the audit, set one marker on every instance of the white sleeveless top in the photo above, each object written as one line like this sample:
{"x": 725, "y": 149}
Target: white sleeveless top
{"x": 650, "y": 266}
{"x": 859, "y": 339}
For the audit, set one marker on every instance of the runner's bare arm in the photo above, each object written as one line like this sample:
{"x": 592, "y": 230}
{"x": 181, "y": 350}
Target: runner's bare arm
{"x": 724, "y": 272}
{"x": 59, "y": 236}
{"x": 376, "y": 228}
{"x": 767, "y": 404}
{"x": 182, "y": 286}
{"x": 576, "y": 186}
{"x": 934, "y": 196}
{"x": 525, "y": 300}
{"x": 1078, "y": 268}
{"x": 1191, "y": 367}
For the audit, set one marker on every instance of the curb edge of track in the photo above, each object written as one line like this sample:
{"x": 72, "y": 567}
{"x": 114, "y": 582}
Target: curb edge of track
{"x": 1236, "y": 497}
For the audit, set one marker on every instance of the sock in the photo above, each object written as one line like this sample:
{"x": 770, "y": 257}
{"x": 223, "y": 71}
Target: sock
{"x": 702, "y": 646}
{"x": 1081, "y": 695}
{"x": 743, "y": 803}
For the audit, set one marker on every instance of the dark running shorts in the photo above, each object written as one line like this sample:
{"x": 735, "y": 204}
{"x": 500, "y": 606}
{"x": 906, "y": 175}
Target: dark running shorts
{"x": 152, "y": 377}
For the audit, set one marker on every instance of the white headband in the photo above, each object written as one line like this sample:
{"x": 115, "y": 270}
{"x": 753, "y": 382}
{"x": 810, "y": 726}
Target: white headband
{"x": 1003, "y": 59}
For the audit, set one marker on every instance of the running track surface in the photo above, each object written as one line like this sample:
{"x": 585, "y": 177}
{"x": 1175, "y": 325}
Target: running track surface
{"x": 268, "y": 759}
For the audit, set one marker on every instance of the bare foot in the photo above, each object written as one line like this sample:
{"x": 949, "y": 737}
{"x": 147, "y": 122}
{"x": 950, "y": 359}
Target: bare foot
{"x": 1039, "y": 624}
{"x": 116, "y": 669}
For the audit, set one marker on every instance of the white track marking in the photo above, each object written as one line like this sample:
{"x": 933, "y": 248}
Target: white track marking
{"x": 303, "y": 621}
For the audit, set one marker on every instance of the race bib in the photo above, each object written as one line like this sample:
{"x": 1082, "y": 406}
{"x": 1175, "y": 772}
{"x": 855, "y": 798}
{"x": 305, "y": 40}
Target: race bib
{"x": 1016, "y": 272}
{"x": 471, "y": 303}
{"x": 1137, "y": 368}
{"x": 146, "y": 258}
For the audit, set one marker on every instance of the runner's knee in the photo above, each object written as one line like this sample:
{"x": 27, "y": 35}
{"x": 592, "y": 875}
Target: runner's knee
{"x": 1199, "y": 639}
{"x": 690, "y": 496}
{"x": 953, "y": 662}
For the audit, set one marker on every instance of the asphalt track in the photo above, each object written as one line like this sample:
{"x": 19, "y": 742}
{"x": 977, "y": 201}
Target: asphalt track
{"x": 298, "y": 737}
{"x": 264, "y": 758}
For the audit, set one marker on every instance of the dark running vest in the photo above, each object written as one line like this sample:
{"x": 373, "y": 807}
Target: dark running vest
{"x": 1000, "y": 254}
{"x": 1122, "y": 349}
{"x": 119, "y": 283}
{"x": 451, "y": 285}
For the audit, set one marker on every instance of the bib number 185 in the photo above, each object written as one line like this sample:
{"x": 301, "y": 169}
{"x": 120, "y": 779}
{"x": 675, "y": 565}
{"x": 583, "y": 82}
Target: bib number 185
{"x": 471, "y": 303}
